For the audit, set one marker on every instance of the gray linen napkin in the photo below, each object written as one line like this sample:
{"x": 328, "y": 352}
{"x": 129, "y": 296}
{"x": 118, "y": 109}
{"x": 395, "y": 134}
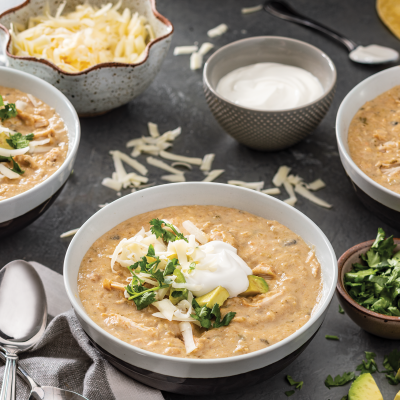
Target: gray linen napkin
{"x": 64, "y": 358}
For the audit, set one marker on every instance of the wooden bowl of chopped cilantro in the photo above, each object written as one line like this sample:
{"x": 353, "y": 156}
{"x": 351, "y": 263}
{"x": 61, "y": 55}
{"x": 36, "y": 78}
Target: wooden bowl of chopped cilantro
{"x": 368, "y": 285}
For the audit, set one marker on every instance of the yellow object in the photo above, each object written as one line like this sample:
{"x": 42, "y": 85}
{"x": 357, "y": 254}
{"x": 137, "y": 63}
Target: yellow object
{"x": 365, "y": 388}
{"x": 389, "y": 13}
{"x": 216, "y": 296}
{"x": 397, "y": 396}
{"x": 3, "y": 142}
{"x": 84, "y": 37}
{"x": 257, "y": 285}
{"x": 398, "y": 374}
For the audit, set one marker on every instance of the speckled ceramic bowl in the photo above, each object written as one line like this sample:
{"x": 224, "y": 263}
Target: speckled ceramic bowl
{"x": 381, "y": 201}
{"x": 102, "y": 87}
{"x": 372, "y": 322}
{"x": 199, "y": 376}
{"x": 22, "y": 209}
{"x": 269, "y": 130}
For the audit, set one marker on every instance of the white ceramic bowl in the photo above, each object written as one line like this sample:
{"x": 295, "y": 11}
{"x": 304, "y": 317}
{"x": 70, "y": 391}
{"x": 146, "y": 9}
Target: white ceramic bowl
{"x": 381, "y": 201}
{"x": 212, "y": 375}
{"x": 102, "y": 87}
{"x": 22, "y": 209}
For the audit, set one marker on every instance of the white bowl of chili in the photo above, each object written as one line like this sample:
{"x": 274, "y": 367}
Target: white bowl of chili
{"x": 188, "y": 375}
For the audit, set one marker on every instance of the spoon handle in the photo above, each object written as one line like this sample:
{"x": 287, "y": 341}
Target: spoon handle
{"x": 21, "y": 373}
{"x": 282, "y": 10}
{"x": 8, "y": 388}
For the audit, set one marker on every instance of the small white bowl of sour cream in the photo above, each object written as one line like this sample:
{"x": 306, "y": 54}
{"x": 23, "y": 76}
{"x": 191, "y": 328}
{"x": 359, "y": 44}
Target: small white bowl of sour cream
{"x": 269, "y": 92}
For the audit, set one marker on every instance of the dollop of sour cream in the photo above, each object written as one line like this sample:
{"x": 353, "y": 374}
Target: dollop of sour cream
{"x": 373, "y": 54}
{"x": 270, "y": 86}
{"x": 226, "y": 269}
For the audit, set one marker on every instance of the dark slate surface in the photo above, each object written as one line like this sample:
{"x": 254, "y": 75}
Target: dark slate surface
{"x": 176, "y": 99}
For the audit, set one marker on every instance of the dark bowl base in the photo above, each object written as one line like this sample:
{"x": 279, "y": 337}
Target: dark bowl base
{"x": 386, "y": 214}
{"x": 201, "y": 387}
{"x": 13, "y": 225}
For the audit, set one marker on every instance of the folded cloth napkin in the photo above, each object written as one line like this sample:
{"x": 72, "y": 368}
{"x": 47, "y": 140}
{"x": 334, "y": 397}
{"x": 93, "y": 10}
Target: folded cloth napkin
{"x": 64, "y": 357}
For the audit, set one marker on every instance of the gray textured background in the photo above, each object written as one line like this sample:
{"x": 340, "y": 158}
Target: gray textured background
{"x": 176, "y": 99}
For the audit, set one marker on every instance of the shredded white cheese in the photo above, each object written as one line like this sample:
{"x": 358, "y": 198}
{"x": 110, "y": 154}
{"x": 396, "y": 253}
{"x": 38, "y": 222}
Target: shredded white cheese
{"x": 292, "y": 197}
{"x": 153, "y": 129}
{"x": 249, "y": 10}
{"x": 302, "y": 190}
{"x": 112, "y": 184}
{"x": 131, "y": 162}
{"x": 214, "y": 174}
{"x": 281, "y": 175}
{"x": 33, "y": 100}
{"x": 207, "y": 162}
{"x": 13, "y": 152}
{"x": 205, "y": 48}
{"x": 217, "y": 31}
{"x": 179, "y": 50}
{"x": 7, "y": 172}
{"x": 173, "y": 178}
{"x": 72, "y": 232}
{"x": 177, "y": 157}
{"x": 187, "y": 334}
{"x": 21, "y": 105}
{"x": 200, "y": 236}
{"x": 316, "y": 185}
{"x": 196, "y": 61}
{"x": 162, "y": 165}
{"x": 249, "y": 185}
{"x": 271, "y": 191}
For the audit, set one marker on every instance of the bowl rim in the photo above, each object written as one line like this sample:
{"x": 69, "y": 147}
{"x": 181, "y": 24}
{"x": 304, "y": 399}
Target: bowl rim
{"x": 256, "y": 38}
{"x": 342, "y": 290}
{"x": 126, "y": 346}
{"x": 71, "y": 150}
{"x": 49, "y": 63}
{"x": 341, "y": 145}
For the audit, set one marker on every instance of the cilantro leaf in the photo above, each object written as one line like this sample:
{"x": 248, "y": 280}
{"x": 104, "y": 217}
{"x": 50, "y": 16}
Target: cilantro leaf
{"x": 368, "y": 365}
{"x": 16, "y": 168}
{"x": 331, "y": 337}
{"x": 170, "y": 267}
{"x": 341, "y": 311}
{"x": 202, "y": 314}
{"x": 9, "y": 110}
{"x": 292, "y": 382}
{"x": 156, "y": 227}
{"x": 339, "y": 380}
{"x": 391, "y": 363}
{"x": 290, "y": 393}
{"x": 145, "y": 300}
{"x": 217, "y": 313}
{"x": 19, "y": 141}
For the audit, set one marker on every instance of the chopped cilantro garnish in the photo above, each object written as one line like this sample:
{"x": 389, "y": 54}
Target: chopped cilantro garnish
{"x": 339, "y": 380}
{"x": 19, "y": 141}
{"x": 345, "y": 397}
{"x": 192, "y": 266}
{"x": 290, "y": 393}
{"x": 158, "y": 230}
{"x": 331, "y": 337}
{"x": 292, "y": 382}
{"x": 341, "y": 309}
{"x": 375, "y": 284}
{"x": 9, "y": 110}
{"x": 391, "y": 363}
{"x": 368, "y": 365}
{"x": 204, "y": 316}
{"x": 16, "y": 168}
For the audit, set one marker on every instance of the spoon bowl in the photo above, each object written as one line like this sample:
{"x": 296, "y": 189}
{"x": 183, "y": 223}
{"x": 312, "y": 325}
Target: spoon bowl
{"x": 23, "y": 316}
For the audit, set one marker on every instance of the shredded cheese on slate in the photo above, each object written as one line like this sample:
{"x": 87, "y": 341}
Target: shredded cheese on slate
{"x": 112, "y": 184}
{"x": 72, "y": 232}
{"x": 205, "y": 48}
{"x": 177, "y": 157}
{"x": 7, "y": 172}
{"x": 179, "y": 50}
{"x": 271, "y": 191}
{"x": 173, "y": 178}
{"x": 162, "y": 165}
{"x": 187, "y": 334}
{"x": 130, "y": 161}
{"x": 249, "y": 185}
{"x": 217, "y": 31}
{"x": 316, "y": 185}
{"x": 196, "y": 61}
{"x": 214, "y": 174}
{"x": 84, "y": 37}
{"x": 292, "y": 197}
{"x": 294, "y": 179}
{"x": 153, "y": 130}
{"x": 207, "y": 162}
{"x": 281, "y": 175}
{"x": 200, "y": 236}
{"x": 302, "y": 190}
{"x": 249, "y": 10}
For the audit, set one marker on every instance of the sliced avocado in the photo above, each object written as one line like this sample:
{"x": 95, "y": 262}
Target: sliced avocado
{"x": 365, "y": 388}
{"x": 257, "y": 285}
{"x": 397, "y": 396}
{"x": 216, "y": 296}
{"x": 398, "y": 375}
{"x": 177, "y": 295}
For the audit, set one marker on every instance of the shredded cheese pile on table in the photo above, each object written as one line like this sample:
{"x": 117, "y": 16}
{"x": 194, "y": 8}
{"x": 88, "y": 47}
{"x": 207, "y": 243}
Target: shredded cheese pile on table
{"x": 84, "y": 37}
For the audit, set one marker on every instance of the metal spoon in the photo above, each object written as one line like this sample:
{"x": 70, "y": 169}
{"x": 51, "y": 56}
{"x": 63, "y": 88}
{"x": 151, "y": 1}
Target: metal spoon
{"x": 23, "y": 316}
{"x": 44, "y": 392}
{"x": 372, "y": 54}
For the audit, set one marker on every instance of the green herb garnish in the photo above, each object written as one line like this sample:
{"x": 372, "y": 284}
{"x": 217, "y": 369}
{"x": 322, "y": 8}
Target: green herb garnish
{"x": 16, "y": 168}
{"x": 391, "y": 363}
{"x": 292, "y": 382}
{"x": 290, "y": 393}
{"x": 204, "y": 315}
{"x": 9, "y": 110}
{"x": 19, "y": 141}
{"x": 339, "y": 380}
{"x": 158, "y": 230}
{"x": 341, "y": 311}
{"x": 368, "y": 365}
{"x": 331, "y": 337}
{"x": 375, "y": 284}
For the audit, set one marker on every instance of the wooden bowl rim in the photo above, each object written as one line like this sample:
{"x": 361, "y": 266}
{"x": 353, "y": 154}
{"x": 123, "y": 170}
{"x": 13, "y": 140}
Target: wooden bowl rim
{"x": 342, "y": 290}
